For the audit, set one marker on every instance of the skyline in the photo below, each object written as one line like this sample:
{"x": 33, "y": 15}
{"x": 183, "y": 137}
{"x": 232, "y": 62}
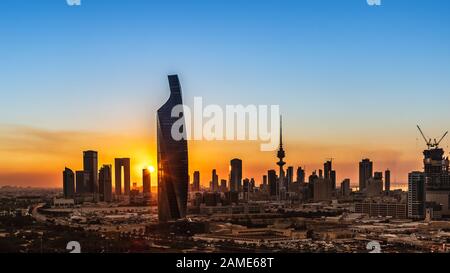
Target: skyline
{"x": 92, "y": 90}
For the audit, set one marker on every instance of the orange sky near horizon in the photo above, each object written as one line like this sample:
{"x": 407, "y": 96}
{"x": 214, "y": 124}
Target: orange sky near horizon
{"x": 36, "y": 157}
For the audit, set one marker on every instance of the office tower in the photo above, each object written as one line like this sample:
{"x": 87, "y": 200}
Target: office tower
{"x": 146, "y": 182}
{"x": 105, "y": 183}
{"x": 365, "y": 172}
{"x": 327, "y": 168}
{"x": 300, "y": 175}
{"x": 281, "y": 155}
{"x": 289, "y": 177}
{"x": 246, "y": 186}
{"x": 320, "y": 174}
{"x": 345, "y": 188}
{"x": 273, "y": 185}
{"x": 214, "y": 181}
{"x": 68, "y": 183}
{"x": 119, "y": 164}
{"x": 82, "y": 180}
{"x": 90, "y": 166}
{"x": 196, "y": 183}
{"x": 236, "y": 175}
{"x": 311, "y": 181}
{"x": 252, "y": 184}
{"x": 223, "y": 185}
{"x": 329, "y": 173}
{"x": 264, "y": 180}
{"x": 333, "y": 179}
{"x": 416, "y": 195}
{"x": 173, "y": 177}
{"x": 387, "y": 181}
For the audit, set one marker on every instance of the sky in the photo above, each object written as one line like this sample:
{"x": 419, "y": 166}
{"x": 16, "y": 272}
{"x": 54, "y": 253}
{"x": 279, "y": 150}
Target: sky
{"x": 352, "y": 81}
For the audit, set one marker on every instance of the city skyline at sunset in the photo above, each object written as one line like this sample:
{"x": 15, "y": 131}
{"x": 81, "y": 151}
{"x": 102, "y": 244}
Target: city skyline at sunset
{"x": 351, "y": 80}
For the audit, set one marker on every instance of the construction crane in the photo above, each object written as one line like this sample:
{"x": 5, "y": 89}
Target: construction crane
{"x": 429, "y": 141}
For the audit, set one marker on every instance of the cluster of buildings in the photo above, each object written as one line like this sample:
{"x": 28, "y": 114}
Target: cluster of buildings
{"x": 93, "y": 185}
{"x": 428, "y": 190}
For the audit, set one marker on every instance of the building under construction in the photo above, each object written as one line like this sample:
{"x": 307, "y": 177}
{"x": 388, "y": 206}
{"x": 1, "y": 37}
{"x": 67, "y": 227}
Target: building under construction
{"x": 437, "y": 176}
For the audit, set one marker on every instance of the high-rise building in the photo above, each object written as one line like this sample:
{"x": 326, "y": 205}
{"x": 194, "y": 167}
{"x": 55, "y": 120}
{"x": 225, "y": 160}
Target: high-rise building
{"x": 300, "y": 175}
{"x": 119, "y": 165}
{"x": 105, "y": 183}
{"x": 173, "y": 177}
{"x": 146, "y": 184}
{"x": 214, "y": 181}
{"x": 387, "y": 181}
{"x": 196, "y": 182}
{"x": 68, "y": 183}
{"x": 264, "y": 180}
{"x": 90, "y": 166}
{"x": 223, "y": 185}
{"x": 345, "y": 188}
{"x": 289, "y": 177}
{"x": 273, "y": 185}
{"x": 416, "y": 195}
{"x": 236, "y": 175}
{"x": 82, "y": 180}
{"x": 365, "y": 172}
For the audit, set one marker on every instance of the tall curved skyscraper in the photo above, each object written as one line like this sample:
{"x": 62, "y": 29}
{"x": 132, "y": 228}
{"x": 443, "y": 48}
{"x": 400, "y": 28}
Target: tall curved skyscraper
{"x": 173, "y": 178}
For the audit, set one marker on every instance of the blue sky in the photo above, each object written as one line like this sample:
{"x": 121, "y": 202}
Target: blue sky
{"x": 340, "y": 70}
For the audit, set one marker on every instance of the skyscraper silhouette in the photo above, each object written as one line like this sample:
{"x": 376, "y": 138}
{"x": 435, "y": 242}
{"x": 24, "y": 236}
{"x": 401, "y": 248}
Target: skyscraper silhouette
{"x": 120, "y": 163}
{"x": 365, "y": 172}
{"x": 90, "y": 166}
{"x": 236, "y": 175}
{"x": 146, "y": 184}
{"x": 196, "y": 182}
{"x": 173, "y": 177}
{"x": 105, "y": 183}
{"x": 68, "y": 183}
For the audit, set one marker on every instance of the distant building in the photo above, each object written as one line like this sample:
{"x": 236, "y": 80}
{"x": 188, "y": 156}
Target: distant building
{"x": 374, "y": 185}
{"x": 68, "y": 183}
{"x": 146, "y": 184}
{"x": 387, "y": 181}
{"x": 105, "y": 183}
{"x": 345, "y": 188}
{"x": 273, "y": 187}
{"x": 300, "y": 175}
{"x": 196, "y": 182}
{"x": 214, "y": 181}
{"x": 82, "y": 180}
{"x": 223, "y": 185}
{"x": 322, "y": 189}
{"x": 119, "y": 164}
{"x": 236, "y": 175}
{"x": 289, "y": 177}
{"x": 365, "y": 172}
{"x": 416, "y": 195}
{"x": 329, "y": 173}
{"x": 90, "y": 166}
